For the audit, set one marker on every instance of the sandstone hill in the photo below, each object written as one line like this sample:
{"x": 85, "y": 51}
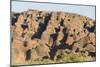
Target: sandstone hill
{"x": 42, "y": 37}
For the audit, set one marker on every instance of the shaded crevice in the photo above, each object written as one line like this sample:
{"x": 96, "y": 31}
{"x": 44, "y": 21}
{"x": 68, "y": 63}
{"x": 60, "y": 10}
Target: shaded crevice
{"x": 53, "y": 52}
{"x": 14, "y": 19}
{"x": 65, "y": 35}
{"x": 42, "y": 27}
{"x": 91, "y": 29}
{"x": 25, "y": 44}
{"x": 93, "y": 54}
{"x": 28, "y": 54}
{"x": 54, "y": 36}
{"x": 62, "y": 22}
{"x": 24, "y": 25}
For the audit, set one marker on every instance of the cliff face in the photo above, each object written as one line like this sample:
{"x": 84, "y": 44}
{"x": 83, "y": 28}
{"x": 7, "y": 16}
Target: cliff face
{"x": 39, "y": 35}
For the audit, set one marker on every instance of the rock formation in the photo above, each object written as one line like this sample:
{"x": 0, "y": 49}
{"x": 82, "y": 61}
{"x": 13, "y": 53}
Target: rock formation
{"x": 39, "y": 35}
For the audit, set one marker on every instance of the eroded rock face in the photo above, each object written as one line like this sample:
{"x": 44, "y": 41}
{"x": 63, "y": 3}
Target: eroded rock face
{"x": 38, "y": 34}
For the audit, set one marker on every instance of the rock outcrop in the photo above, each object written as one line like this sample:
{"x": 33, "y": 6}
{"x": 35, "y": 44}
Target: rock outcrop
{"x": 37, "y": 35}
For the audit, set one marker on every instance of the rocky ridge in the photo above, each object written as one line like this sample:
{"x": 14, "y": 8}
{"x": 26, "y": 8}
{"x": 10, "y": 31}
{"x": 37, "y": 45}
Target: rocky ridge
{"x": 39, "y": 35}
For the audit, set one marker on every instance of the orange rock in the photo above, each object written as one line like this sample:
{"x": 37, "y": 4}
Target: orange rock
{"x": 60, "y": 34}
{"x": 32, "y": 43}
{"x": 92, "y": 39}
{"x": 33, "y": 25}
{"x": 20, "y": 19}
{"x": 69, "y": 40}
{"x": 77, "y": 36}
{"x": 18, "y": 56}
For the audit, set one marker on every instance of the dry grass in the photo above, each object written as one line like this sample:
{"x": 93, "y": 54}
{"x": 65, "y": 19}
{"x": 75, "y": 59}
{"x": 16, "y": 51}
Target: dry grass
{"x": 66, "y": 58}
{"x": 78, "y": 57}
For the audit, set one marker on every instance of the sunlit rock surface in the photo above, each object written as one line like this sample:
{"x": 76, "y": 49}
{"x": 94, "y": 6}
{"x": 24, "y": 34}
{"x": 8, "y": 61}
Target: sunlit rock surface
{"x": 42, "y": 37}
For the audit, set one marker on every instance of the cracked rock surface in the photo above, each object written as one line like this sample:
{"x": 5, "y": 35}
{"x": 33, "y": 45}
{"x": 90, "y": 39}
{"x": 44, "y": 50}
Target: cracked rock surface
{"x": 51, "y": 36}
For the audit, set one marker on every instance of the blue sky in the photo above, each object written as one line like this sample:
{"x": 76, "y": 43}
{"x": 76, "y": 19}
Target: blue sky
{"x": 88, "y": 11}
